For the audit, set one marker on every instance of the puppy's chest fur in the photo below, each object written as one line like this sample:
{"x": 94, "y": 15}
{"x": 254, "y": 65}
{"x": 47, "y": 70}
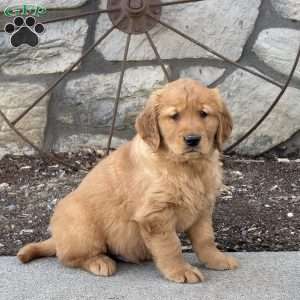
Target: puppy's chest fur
{"x": 195, "y": 192}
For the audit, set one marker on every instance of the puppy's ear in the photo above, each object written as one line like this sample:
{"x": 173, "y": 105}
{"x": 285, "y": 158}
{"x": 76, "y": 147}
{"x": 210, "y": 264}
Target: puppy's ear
{"x": 147, "y": 124}
{"x": 225, "y": 121}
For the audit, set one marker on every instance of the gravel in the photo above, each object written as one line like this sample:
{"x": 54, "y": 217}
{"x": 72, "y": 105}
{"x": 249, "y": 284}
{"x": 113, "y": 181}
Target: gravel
{"x": 258, "y": 210}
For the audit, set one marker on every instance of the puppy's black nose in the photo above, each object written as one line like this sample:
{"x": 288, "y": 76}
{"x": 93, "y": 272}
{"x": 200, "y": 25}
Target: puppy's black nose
{"x": 192, "y": 140}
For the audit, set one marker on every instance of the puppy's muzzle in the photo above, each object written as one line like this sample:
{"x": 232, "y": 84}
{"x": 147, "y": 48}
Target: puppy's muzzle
{"x": 192, "y": 140}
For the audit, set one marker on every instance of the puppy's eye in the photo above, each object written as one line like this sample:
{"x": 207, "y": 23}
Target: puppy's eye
{"x": 175, "y": 116}
{"x": 203, "y": 114}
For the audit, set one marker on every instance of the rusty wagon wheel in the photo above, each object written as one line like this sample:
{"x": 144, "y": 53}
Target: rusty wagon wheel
{"x": 138, "y": 17}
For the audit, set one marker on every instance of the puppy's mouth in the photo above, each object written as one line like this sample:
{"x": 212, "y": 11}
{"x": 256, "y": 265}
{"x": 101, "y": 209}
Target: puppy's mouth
{"x": 191, "y": 151}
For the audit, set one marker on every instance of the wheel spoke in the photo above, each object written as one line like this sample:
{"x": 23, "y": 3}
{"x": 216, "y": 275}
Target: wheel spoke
{"x": 270, "y": 108}
{"x": 176, "y": 2}
{"x": 157, "y": 56}
{"x": 67, "y": 72}
{"x": 115, "y": 110}
{"x": 81, "y": 15}
{"x": 208, "y": 49}
{"x": 88, "y": 13}
{"x": 42, "y": 153}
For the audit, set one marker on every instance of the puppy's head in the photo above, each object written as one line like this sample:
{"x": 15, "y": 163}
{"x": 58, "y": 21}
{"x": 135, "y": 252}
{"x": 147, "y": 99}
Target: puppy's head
{"x": 186, "y": 119}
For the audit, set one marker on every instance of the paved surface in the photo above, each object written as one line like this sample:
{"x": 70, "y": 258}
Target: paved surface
{"x": 264, "y": 276}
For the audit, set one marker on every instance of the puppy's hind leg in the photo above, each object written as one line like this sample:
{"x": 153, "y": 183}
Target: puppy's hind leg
{"x": 100, "y": 265}
{"x": 80, "y": 243}
{"x": 90, "y": 259}
{"x": 86, "y": 254}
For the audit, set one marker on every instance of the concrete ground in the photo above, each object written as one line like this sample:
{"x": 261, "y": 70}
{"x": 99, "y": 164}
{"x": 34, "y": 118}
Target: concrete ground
{"x": 263, "y": 275}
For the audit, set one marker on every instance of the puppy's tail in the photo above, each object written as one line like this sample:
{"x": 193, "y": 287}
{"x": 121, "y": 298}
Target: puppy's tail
{"x": 35, "y": 250}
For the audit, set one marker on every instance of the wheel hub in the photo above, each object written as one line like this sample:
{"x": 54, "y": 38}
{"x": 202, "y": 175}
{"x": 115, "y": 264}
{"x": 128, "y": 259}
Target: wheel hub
{"x": 134, "y": 14}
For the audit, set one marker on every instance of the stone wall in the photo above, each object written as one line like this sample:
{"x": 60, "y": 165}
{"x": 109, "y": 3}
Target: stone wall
{"x": 261, "y": 34}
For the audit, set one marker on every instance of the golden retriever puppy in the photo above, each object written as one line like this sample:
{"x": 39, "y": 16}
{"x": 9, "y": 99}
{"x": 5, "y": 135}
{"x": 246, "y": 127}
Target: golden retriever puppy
{"x": 164, "y": 181}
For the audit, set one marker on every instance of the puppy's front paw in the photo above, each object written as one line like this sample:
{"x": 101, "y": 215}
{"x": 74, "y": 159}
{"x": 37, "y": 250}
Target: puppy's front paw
{"x": 223, "y": 262}
{"x": 186, "y": 274}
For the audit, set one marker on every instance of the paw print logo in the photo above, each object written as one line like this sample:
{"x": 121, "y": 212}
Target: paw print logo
{"x": 24, "y": 31}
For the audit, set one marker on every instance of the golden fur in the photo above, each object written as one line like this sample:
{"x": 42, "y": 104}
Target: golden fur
{"x": 135, "y": 200}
